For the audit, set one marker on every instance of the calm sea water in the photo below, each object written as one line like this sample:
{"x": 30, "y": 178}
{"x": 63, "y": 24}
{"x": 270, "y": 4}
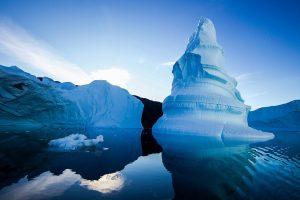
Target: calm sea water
{"x": 131, "y": 164}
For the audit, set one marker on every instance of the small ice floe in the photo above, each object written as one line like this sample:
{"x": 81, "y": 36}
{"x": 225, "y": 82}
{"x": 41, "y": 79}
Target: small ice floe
{"x": 74, "y": 142}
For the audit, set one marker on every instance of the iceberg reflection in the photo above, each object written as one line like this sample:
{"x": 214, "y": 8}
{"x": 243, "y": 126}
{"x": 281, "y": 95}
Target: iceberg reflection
{"x": 48, "y": 185}
{"x": 45, "y": 186}
{"x": 207, "y": 167}
{"x": 106, "y": 184}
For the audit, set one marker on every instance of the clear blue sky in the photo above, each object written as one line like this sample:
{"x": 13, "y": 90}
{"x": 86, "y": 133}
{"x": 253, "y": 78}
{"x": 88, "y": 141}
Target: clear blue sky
{"x": 133, "y": 42}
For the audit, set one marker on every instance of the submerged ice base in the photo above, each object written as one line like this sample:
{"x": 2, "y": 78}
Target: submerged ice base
{"x": 204, "y": 99}
{"x": 193, "y": 126}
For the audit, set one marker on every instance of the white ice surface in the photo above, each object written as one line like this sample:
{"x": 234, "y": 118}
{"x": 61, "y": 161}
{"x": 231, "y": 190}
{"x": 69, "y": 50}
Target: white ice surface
{"x": 31, "y": 102}
{"x": 74, "y": 142}
{"x": 204, "y": 100}
{"x": 284, "y": 117}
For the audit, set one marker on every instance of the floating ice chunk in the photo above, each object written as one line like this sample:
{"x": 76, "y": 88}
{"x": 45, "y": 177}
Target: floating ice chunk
{"x": 74, "y": 142}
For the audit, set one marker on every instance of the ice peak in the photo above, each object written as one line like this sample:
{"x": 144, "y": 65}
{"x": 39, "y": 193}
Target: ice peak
{"x": 203, "y": 21}
{"x": 204, "y": 35}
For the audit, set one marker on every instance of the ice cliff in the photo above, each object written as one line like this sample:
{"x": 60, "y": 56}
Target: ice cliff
{"x": 285, "y": 117}
{"x": 28, "y": 102}
{"x": 204, "y": 99}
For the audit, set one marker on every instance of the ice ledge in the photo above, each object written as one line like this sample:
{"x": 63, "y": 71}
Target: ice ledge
{"x": 207, "y": 128}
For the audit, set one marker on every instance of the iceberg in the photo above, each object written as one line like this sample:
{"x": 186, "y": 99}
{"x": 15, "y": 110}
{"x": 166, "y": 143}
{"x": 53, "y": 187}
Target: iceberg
{"x": 29, "y": 102}
{"x": 204, "y": 99}
{"x": 284, "y": 117}
{"x": 74, "y": 142}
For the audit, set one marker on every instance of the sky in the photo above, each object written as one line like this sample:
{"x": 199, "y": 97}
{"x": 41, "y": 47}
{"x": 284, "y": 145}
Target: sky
{"x": 133, "y": 44}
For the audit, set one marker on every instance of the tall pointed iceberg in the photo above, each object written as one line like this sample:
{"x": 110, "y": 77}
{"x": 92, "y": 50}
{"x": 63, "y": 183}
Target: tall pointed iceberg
{"x": 204, "y": 99}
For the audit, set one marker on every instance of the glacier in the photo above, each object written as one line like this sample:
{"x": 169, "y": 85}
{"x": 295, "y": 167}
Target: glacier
{"x": 28, "y": 102}
{"x": 204, "y": 99}
{"x": 284, "y": 117}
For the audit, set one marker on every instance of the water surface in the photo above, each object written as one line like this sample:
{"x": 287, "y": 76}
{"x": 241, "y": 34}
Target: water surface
{"x": 131, "y": 164}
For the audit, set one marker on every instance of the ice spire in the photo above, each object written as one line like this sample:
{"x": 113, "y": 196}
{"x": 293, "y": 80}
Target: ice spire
{"x": 204, "y": 43}
{"x": 204, "y": 35}
{"x": 204, "y": 99}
